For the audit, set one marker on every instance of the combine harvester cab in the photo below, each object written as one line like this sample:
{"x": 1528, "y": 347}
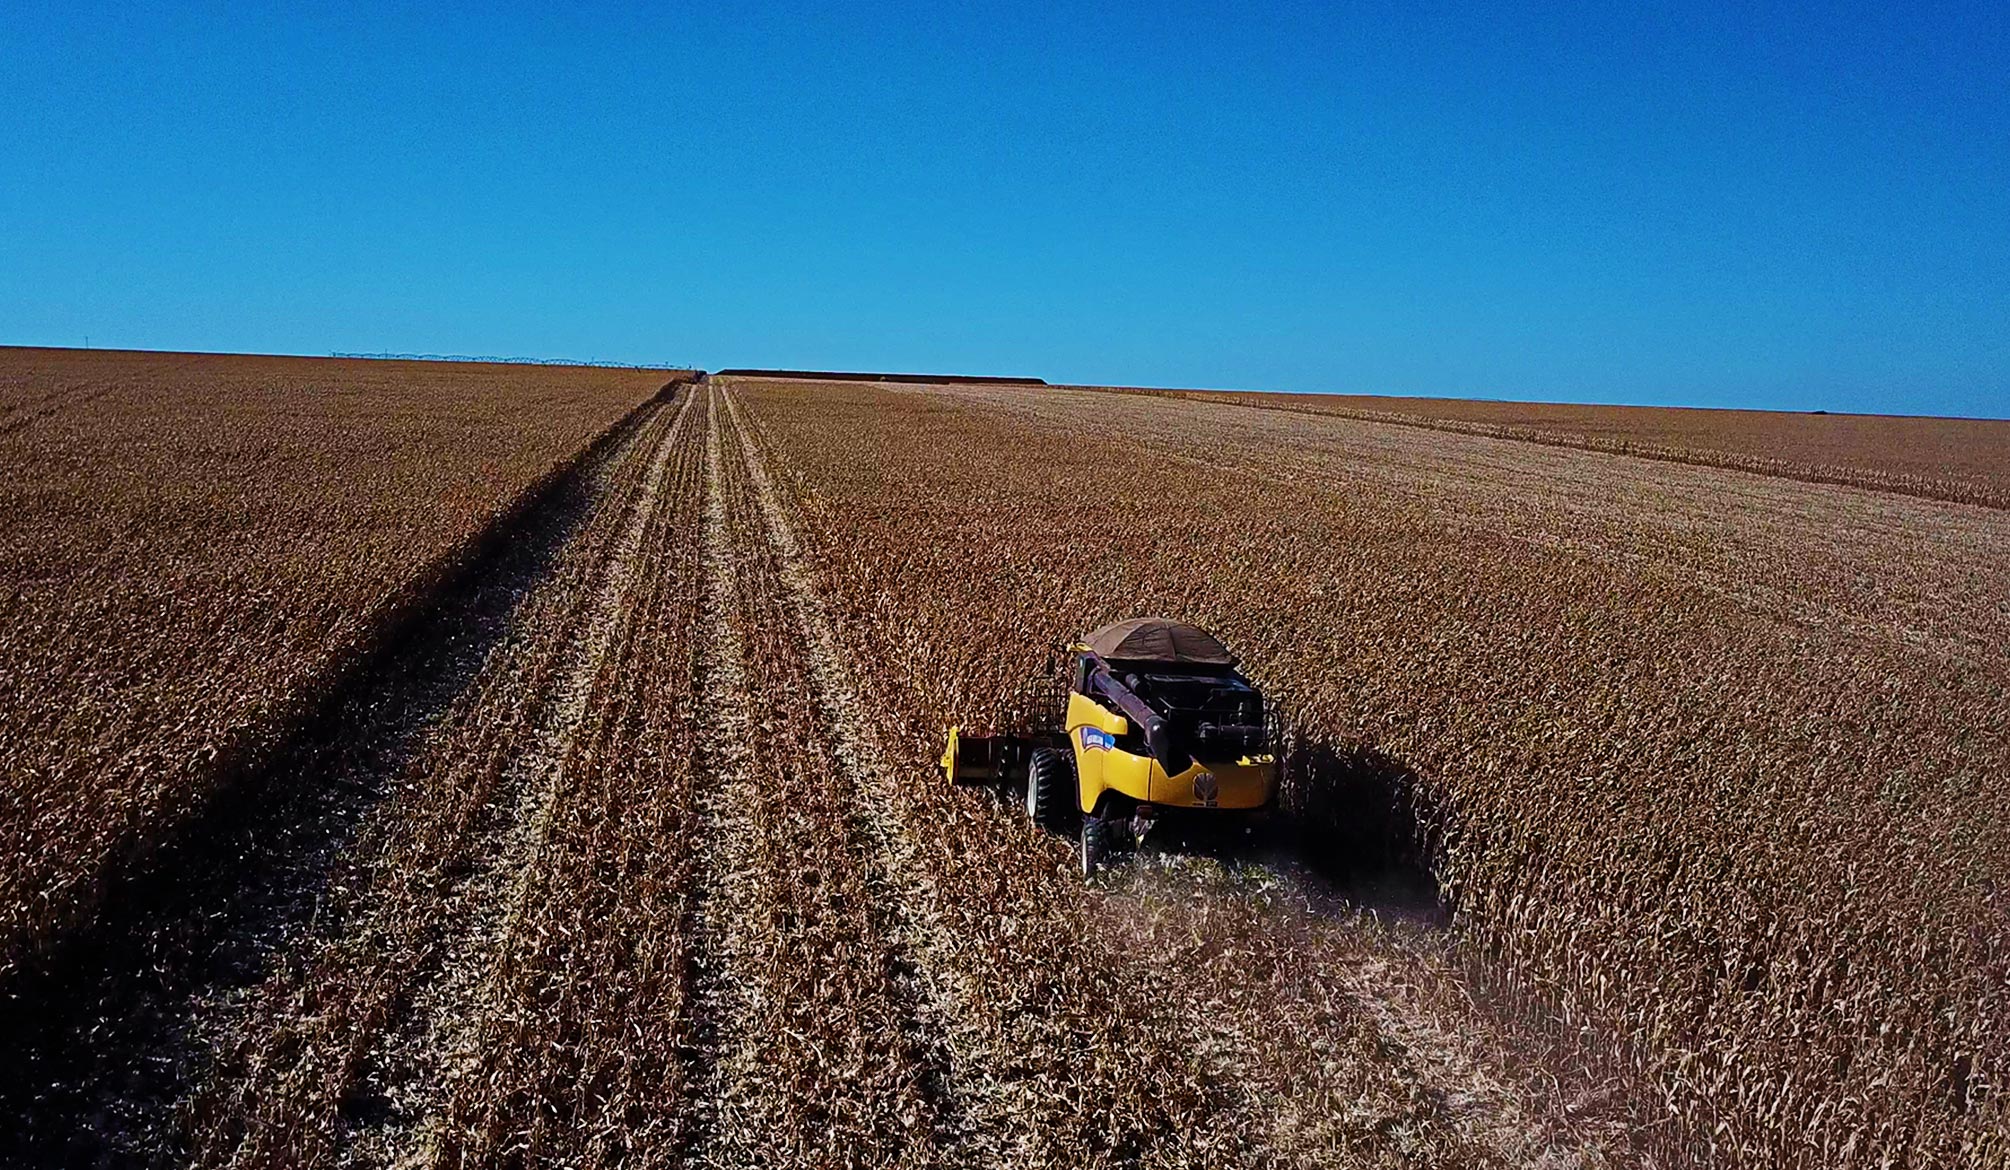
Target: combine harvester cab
{"x": 1158, "y": 722}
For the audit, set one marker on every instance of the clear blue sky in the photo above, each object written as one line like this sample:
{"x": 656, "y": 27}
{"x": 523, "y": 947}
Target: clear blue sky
{"x": 1743, "y": 205}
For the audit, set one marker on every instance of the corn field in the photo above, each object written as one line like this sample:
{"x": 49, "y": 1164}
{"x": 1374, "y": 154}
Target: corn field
{"x": 1636, "y": 812}
{"x": 196, "y": 545}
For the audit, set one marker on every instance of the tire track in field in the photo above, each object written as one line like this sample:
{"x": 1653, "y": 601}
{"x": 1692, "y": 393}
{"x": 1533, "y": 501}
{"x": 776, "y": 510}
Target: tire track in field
{"x": 927, "y": 985}
{"x": 27, "y": 414}
{"x": 1960, "y": 491}
{"x": 30, "y": 413}
{"x": 724, "y": 876}
{"x": 452, "y": 1009}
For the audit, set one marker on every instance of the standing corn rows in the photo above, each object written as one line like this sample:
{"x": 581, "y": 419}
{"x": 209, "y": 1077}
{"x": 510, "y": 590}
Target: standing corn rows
{"x": 674, "y": 880}
{"x": 1960, "y": 460}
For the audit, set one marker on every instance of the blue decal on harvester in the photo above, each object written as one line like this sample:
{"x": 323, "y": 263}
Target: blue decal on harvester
{"x": 1096, "y": 739}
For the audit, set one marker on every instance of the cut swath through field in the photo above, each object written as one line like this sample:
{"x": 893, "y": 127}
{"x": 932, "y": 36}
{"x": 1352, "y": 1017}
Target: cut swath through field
{"x": 334, "y": 1050}
{"x": 724, "y": 921}
{"x": 864, "y": 771}
{"x": 573, "y": 1040}
{"x": 829, "y": 1056}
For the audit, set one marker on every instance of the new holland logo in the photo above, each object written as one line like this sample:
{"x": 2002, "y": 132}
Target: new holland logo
{"x": 1206, "y": 789}
{"x": 1097, "y": 740}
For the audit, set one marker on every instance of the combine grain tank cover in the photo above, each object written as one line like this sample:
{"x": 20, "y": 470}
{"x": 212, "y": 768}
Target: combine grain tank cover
{"x": 1151, "y": 639}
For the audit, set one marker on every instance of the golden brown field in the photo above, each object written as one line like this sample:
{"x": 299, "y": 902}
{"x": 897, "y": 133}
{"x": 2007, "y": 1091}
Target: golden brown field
{"x": 1966, "y": 460}
{"x": 1703, "y": 760}
{"x": 1642, "y": 811}
{"x": 191, "y": 545}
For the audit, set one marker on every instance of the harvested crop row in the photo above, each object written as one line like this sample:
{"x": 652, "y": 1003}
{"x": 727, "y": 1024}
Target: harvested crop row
{"x": 825, "y": 1058}
{"x": 567, "y": 1050}
{"x": 727, "y": 930}
{"x": 1665, "y": 817}
{"x": 195, "y": 548}
{"x": 1185, "y": 1031}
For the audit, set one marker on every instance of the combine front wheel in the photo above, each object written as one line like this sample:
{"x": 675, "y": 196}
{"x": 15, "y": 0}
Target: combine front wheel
{"x": 1050, "y": 788}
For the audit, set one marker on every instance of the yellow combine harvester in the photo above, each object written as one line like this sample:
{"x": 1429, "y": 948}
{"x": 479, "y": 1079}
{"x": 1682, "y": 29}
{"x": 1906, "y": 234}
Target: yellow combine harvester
{"x": 1158, "y": 721}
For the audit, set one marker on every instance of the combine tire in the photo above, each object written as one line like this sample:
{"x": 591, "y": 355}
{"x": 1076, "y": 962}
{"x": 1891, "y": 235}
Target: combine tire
{"x": 1095, "y": 844}
{"x": 1050, "y": 788}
